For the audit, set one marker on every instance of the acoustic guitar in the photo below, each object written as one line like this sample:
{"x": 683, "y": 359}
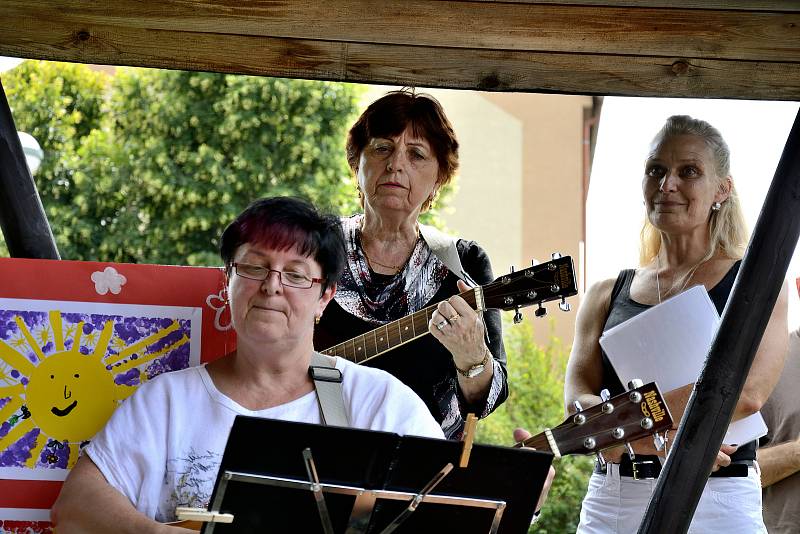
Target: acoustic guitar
{"x": 541, "y": 283}
{"x": 635, "y": 414}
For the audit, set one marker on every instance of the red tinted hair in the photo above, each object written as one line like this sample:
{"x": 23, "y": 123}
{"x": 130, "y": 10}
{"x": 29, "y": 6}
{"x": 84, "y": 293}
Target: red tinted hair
{"x": 282, "y": 223}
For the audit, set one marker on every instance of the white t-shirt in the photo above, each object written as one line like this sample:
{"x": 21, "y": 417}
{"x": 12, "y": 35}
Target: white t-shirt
{"x": 163, "y": 446}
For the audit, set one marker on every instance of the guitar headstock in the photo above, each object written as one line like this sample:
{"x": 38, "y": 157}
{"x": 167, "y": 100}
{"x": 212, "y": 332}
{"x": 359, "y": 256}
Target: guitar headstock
{"x": 635, "y": 414}
{"x": 541, "y": 283}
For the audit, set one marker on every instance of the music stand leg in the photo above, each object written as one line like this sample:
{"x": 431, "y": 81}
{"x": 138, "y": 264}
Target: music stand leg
{"x": 362, "y": 513}
{"x": 498, "y": 515}
{"x": 438, "y": 477}
{"x": 223, "y": 486}
{"x": 316, "y": 489}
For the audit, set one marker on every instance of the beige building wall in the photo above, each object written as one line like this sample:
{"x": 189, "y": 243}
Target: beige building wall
{"x": 519, "y": 190}
{"x": 553, "y": 196}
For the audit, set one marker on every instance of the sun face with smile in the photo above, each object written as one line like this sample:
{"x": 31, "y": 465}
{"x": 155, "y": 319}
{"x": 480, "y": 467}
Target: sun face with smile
{"x": 71, "y": 395}
{"x": 62, "y": 376}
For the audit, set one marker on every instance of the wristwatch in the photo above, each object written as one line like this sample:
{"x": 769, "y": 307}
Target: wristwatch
{"x": 476, "y": 369}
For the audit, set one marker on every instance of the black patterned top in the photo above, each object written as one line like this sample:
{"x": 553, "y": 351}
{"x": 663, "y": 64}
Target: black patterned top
{"x": 365, "y": 299}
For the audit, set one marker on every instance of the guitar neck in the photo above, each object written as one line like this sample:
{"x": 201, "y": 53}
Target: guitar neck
{"x": 391, "y": 335}
{"x": 538, "y": 442}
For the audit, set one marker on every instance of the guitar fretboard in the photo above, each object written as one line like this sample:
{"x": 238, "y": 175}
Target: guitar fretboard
{"x": 391, "y": 335}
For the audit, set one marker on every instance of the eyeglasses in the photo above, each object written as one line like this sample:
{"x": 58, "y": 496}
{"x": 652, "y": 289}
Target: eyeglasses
{"x": 287, "y": 278}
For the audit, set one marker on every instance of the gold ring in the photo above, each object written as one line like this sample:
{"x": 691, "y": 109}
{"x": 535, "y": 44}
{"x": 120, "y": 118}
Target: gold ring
{"x": 454, "y": 318}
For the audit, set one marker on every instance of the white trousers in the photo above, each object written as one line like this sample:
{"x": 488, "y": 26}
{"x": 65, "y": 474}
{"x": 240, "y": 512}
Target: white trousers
{"x": 615, "y": 504}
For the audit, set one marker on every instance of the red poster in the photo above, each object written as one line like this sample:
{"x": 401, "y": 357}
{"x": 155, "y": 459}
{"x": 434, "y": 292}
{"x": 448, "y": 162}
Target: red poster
{"x": 76, "y": 339}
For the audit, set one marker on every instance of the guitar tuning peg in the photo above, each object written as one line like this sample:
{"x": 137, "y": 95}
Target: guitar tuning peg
{"x": 659, "y": 441}
{"x": 635, "y": 383}
{"x": 541, "y": 311}
{"x": 555, "y": 255}
{"x": 534, "y": 262}
{"x": 511, "y": 270}
{"x": 600, "y": 459}
{"x": 631, "y": 454}
{"x": 580, "y": 419}
{"x": 605, "y": 395}
{"x": 517, "y": 316}
{"x": 564, "y": 305}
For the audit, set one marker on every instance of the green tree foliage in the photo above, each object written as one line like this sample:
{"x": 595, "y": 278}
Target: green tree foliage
{"x": 536, "y": 402}
{"x": 149, "y": 165}
{"x": 201, "y": 146}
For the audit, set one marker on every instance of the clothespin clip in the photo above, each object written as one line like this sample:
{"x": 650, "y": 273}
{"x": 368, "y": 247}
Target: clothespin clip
{"x": 469, "y": 436}
{"x": 200, "y": 515}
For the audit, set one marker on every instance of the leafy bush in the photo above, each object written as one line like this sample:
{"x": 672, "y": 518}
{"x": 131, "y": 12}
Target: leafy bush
{"x": 536, "y": 402}
{"x": 150, "y": 165}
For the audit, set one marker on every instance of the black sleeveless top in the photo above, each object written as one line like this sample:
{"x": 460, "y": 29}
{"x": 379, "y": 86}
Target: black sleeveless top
{"x": 623, "y": 307}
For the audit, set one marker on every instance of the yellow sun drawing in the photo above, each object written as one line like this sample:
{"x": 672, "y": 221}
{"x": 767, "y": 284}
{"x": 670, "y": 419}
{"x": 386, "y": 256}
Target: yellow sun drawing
{"x": 67, "y": 394}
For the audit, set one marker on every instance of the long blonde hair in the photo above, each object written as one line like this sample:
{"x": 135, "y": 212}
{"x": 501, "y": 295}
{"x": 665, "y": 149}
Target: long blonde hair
{"x": 728, "y": 233}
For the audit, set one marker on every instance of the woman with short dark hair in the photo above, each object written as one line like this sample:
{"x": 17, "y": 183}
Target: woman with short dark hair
{"x": 403, "y": 150}
{"x": 162, "y": 448}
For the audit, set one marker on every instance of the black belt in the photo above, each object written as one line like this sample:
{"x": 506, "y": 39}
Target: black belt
{"x": 649, "y": 467}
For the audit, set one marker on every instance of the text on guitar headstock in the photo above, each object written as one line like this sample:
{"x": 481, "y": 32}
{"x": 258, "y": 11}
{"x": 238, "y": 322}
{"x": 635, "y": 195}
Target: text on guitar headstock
{"x": 629, "y": 416}
{"x": 535, "y": 285}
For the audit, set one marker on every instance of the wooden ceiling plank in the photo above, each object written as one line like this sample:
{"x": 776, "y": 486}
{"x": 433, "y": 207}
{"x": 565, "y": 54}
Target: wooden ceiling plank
{"x": 710, "y": 34}
{"x": 405, "y": 65}
{"x": 788, "y": 6}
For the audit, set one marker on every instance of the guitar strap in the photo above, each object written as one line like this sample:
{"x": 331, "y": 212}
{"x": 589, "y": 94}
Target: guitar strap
{"x": 444, "y": 247}
{"x": 328, "y": 383}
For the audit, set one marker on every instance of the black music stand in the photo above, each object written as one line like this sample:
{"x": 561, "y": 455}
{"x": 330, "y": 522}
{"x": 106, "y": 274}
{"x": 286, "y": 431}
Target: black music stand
{"x": 366, "y": 480}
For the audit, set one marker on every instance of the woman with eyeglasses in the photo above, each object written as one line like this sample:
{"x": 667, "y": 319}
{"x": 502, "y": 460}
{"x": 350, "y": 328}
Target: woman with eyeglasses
{"x": 162, "y": 448}
{"x": 403, "y": 151}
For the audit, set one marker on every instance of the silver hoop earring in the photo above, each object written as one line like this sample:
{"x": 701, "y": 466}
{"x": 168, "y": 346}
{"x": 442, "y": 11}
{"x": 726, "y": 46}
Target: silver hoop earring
{"x": 716, "y": 206}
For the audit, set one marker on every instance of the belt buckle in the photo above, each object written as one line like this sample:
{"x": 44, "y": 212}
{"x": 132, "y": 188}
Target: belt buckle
{"x": 635, "y": 468}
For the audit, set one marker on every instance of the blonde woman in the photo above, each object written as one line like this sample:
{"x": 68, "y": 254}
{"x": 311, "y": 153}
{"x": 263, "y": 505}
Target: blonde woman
{"x": 694, "y": 233}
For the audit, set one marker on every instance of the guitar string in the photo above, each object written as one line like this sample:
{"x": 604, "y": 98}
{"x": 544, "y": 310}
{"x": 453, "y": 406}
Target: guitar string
{"x": 362, "y": 339}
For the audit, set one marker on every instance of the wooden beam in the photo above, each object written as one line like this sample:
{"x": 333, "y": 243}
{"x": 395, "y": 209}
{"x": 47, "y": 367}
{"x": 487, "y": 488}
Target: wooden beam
{"x": 789, "y": 6}
{"x": 489, "y": 70}
{"x": 665, "y": 32}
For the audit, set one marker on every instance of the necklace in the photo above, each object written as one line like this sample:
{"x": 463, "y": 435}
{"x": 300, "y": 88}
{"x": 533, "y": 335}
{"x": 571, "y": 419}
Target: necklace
{"x": 687, "y": 277}
{"x": 658, "y": 280}
{"x": 370, "y": 261}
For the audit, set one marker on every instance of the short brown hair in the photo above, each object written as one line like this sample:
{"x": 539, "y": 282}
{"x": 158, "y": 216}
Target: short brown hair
{"x": 391, "y": 114}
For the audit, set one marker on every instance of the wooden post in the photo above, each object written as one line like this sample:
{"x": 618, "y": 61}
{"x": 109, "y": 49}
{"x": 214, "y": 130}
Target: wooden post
{"x": 22, "y": 218}
{"x": 716, "y": 393}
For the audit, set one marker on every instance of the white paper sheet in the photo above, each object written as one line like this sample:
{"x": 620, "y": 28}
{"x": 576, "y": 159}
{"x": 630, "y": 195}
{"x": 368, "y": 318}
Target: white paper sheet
{"x": 668, "y": 344}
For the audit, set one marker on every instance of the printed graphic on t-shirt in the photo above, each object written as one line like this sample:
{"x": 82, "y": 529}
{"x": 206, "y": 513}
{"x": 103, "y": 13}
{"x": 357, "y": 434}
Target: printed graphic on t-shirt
{"x": 190, "y": 480}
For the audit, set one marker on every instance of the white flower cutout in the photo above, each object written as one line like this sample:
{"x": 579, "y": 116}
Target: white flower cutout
{"x": 218, "y": 303}
{"x": 108, "y": 280}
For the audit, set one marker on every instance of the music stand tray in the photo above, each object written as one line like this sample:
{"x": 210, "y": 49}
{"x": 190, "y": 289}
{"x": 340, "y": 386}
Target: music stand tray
{"x": 364, "y": 481}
